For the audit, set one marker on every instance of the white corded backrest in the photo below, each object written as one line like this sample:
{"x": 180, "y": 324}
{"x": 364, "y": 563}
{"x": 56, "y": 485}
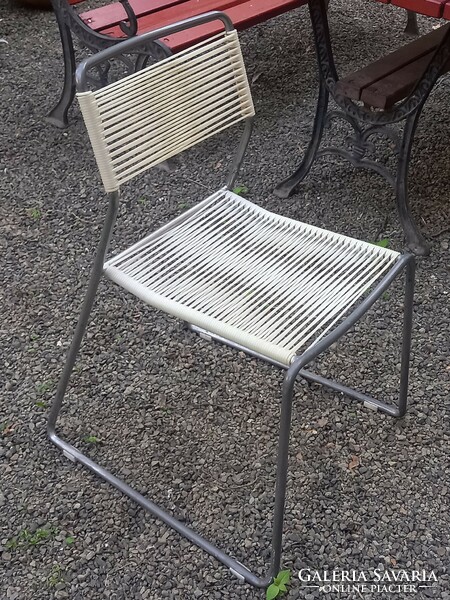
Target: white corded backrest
{"x": 152, "y": 115}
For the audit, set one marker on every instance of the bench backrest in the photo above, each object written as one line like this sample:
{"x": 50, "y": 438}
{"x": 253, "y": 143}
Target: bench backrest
{"x": 152, "y": 115}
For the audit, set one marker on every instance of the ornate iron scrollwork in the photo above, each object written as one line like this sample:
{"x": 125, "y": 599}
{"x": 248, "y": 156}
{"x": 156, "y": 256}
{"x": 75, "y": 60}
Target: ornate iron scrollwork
{"x": 131, "y": 29}
{"x": 70, "y": 24}
{"x": 124, "y": 65}
{"x": 359, "y": 147}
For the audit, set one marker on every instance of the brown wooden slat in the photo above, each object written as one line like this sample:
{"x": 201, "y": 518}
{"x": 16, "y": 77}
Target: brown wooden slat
{"x": 395, "y": 87}
{"x": 392, "y": 88}
{"x": 353, "y": 85}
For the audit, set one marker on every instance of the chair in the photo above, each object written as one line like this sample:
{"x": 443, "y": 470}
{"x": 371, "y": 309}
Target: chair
{"x": 278, "y": 289}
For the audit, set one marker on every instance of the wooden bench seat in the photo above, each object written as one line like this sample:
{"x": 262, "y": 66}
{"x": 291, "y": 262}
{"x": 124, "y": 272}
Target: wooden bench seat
{"x": 391, "y": 78}
{"x": 159, "y": 13}
{"x": 107, "y": 25}
{"x": 430, "y": 8}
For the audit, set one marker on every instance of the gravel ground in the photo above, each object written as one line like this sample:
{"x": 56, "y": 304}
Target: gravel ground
{"x": 194, "y": 425}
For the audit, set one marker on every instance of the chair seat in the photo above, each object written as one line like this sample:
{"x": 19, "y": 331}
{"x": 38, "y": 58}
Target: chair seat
{"x": 263, "y": 281}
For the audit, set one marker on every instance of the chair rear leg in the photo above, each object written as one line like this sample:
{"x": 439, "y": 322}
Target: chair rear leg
{"x": 96, "y": 273}
{"x": 58, "y": 115}
{"x": 414, "y": 239}
{"x": 408, "y": 307}
{"x": 398, "y": 410}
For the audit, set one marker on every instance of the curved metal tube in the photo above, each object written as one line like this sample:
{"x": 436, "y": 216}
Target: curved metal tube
{"x": 132, "y": 44}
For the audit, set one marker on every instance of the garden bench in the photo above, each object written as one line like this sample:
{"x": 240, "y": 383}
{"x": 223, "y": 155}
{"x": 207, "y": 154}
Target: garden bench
{"x": 390, "y": 79}
{"x": 102, "y": 27}
{"x": 380, "y": 102}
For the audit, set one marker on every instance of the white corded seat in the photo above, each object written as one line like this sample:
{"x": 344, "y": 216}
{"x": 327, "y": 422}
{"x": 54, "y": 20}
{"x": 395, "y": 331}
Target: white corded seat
{"x": 258, "y": 279}
{"x": 274, "y": 287}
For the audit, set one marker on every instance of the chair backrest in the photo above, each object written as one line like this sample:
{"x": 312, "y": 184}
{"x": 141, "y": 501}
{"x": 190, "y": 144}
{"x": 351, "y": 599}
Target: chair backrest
{"x": 156, "y": 113}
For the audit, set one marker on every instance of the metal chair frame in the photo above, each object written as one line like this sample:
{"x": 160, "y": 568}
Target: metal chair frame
{"x": 405, "y": 264}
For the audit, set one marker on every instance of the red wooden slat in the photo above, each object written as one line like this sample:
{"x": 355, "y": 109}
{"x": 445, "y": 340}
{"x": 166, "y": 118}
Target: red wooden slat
{"x": 431, "y": 8}
{"x": 111, "y": 14}
{"x": 446, "y": 13}
{"x": 244, "y": 13}
{"x": 243, "y": 16}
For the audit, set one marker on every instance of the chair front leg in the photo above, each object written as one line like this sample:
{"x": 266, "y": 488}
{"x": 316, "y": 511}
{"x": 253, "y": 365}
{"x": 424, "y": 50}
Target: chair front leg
{"x": 290, "y": 378}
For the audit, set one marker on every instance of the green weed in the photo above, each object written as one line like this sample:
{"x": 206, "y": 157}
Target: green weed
{"x": 6, "y": 428}
{"x": 42, "y": 388}
{"x": 383, "y": 243}
{"x": 279, "y": 585}
{"x": 240, "y": 190}
{"x": 91, "y": 439}
{"x": 34, "y": 213}
{"x": 55, "y": 576}
{"x": 26, "y": 539}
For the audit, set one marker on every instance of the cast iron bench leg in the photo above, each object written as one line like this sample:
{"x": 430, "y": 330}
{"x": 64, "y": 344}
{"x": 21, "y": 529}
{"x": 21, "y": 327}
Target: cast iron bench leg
{"x": 412, "y": 27}
{"x": 287, "y": 187}
{"x": 58, "y": 115}
{"x": 414, "y": 239}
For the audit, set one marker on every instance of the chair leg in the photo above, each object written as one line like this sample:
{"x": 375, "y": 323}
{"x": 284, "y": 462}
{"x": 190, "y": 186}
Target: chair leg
{"x": 75, "y": 455}
{"x": 414, "y": 239}
{"x": 373, "y": 403}
{"x": 58, "y": 115}
{"x": 97, "y": 271}
{"x": 282, "y": 470}
{"x": 408, "y": 307}
{"x": 236, "y": 568}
